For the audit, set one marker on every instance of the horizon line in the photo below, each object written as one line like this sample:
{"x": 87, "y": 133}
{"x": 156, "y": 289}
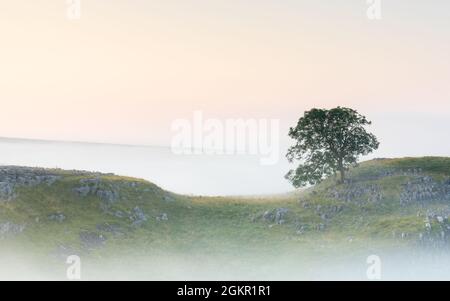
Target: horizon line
{"x": 38, "y": 140}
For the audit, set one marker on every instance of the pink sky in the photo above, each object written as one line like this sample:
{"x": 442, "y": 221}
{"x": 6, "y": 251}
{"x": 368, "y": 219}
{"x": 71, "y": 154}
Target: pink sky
{"x": 127, "y": 69}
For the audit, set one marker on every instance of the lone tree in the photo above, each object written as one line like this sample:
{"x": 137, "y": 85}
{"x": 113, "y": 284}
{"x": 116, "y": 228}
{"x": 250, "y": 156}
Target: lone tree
{"x": 327, "y": 142}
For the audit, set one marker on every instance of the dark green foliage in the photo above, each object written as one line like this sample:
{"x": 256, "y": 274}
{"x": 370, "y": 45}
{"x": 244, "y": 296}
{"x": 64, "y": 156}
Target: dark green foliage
{"x": 328, "y": 141}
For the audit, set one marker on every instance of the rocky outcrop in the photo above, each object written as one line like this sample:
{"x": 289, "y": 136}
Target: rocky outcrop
{"x": 82, "y": 191}
{"x": 418, "y": 188}
{"x": 277, "y": 215}
{"x": 110, "y": 196}
{"x": 327, "y": 212}
{"x": 138, "y": 216}
{"x": 436, "y": 232}
{"x": 425, "y": 189}
{"x": 6, "y": 191}
{"x": 357, "y": 193}
{"x": 95, "y": 187}
{"x": 12, "y": 177}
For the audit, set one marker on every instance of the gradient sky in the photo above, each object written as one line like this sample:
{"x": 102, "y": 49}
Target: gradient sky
{"x": 128, "y": 68}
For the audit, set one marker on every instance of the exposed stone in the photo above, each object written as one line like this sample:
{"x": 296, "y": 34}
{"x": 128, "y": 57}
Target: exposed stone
{"x": 267, "y": 216}
{"x": 168, "y": 198}
{"x": 93, "y": 186}
{"x": 327, "y": 212}
{"x": 357, "y": 193}
{"x": 301, "y": 228}
{"x": 162, "y": 217}
{"x": 92, "y": 240}
{"x": 12, "y": 177}
{"x": 95, "y": 182}
{"x": 6, "y": 191}
{"x": 320, "y": 227}
{"x": 10, "y": 229}
{"x": 437, "y": 230}
{"x": 119, "y": 214}
{"x": 424, "y": 189}
{"x": 138, "y": 216}
{"x": 109, "y": 196}
{"x": 89, "y": 187}
{"x": 82, "y": 191}
{"x": 280, "y": 214}
{"x": 58, "y": 217}
{"x": 132, "y": 184}
{"x": 304, "y": 204}
{"x": 275, "y": 215}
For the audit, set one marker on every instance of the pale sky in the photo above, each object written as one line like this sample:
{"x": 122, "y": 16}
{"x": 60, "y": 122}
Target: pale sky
{"x": 125, "y": 70}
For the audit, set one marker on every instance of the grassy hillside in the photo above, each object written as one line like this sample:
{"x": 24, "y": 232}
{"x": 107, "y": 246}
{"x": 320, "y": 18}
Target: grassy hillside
{"x": 385, "y": 202}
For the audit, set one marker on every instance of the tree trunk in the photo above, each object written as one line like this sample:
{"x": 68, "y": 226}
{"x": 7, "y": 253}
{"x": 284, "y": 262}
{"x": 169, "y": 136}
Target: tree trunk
{"x": 342, "y": 171}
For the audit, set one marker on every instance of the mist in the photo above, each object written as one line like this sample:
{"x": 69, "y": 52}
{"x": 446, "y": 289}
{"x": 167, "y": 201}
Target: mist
{"x": 401, "y": 264}
{"x": 211, "y": 175}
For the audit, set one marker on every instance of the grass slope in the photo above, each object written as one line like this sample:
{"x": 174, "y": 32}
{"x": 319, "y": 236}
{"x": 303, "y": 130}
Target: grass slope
{"x": 366, "y": 211}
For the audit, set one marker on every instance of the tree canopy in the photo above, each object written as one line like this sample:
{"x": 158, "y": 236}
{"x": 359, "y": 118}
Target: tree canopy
{"x": 327, "y": 142}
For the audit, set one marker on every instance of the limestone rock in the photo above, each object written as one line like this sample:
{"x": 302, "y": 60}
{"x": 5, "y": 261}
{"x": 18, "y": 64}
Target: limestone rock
{"x": 9, "y": 229}
{"x": 162, "y": 217}
{"x": 58, "y": 217}
{"x": 92, "y": 240}
{"x": 16, "y": 176}
{"x": 138, "y": 216}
